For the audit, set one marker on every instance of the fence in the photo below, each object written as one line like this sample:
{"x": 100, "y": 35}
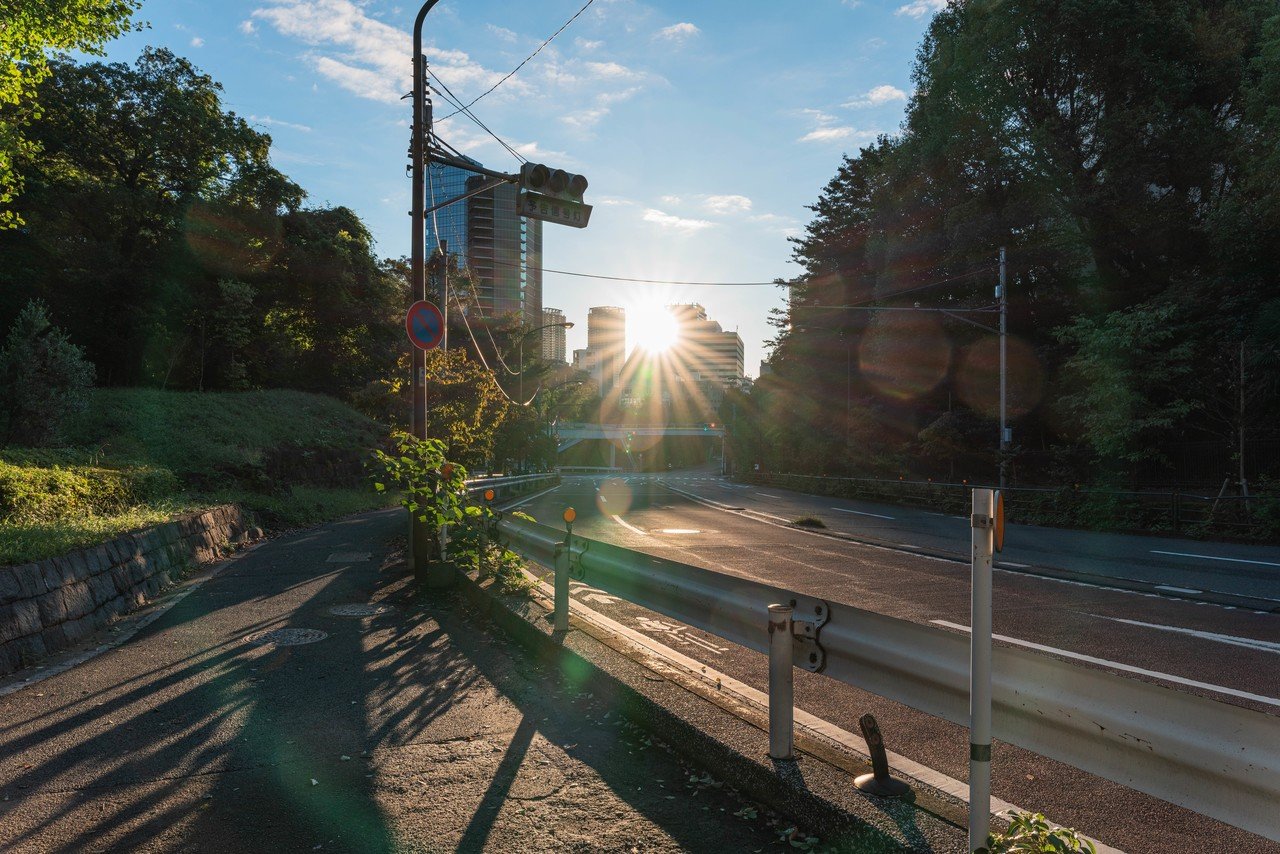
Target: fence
{"x": 1208, "y": 756}
{"x": 1184, "y": 513}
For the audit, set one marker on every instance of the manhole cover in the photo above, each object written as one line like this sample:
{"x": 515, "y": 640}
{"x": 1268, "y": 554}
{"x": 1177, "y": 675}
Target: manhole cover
{"x": 287, "y": 637}
{"x": 357, "y": 610}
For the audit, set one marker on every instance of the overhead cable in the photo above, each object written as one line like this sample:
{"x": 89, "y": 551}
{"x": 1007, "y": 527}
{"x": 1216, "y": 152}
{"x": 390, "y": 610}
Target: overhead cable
{"x": 522, "y": 63}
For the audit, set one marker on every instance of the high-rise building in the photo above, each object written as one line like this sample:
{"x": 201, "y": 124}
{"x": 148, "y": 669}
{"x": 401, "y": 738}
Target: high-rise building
{"x": 553, "y": 343}
{"x": 703, "y": 350}
{"x": 607, "y": 338}
{"x": 502, "y": 250}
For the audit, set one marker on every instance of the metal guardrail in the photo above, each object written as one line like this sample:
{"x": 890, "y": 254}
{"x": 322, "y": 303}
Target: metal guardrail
{"x": 1211, "y": 757}
{"x": 509, "y": 487}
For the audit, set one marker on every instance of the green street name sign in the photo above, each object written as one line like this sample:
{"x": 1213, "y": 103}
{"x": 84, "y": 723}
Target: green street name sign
{"x": 551, "y": 209}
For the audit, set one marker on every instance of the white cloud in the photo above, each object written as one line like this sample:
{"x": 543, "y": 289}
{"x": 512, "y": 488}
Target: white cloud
{"x": 826, "y": 129}
{"x": 502, "y": 32}
{"x": 367, "y": 57}
{"x": 678, "y": 33}
{"x": 882, "y": 94}
{"x": 197, "y": 42}
{"x": 247, "y": 27}
{"x": 588, "y": 44}
{"x": 612, "y": 71}
{"x": 852, "y": 4}
{"x": 874, "y": 43}
{"x": 612, "y": 201}
{"x": 920, "y": 8}
{"x": 726, "y": 204}
{"x": 671, "y": 200}
{"x": 670, "y": 222}
{"x": 270, "y": 122}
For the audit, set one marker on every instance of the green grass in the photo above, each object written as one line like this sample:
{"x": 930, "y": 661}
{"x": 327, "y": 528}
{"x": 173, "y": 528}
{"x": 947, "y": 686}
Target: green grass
{"x": 809, "y": 522}
{"x": 142, "y": 456}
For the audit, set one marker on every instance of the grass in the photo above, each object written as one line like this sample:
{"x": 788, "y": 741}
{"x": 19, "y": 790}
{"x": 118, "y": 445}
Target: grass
{"x": 142, "y": 456}
{"x": 809, "y": 522}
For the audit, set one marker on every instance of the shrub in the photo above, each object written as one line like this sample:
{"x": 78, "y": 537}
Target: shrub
{"x": 46, "y": 494}
{"x": 43, "y": 378}
{"x": 1031, "y": 833}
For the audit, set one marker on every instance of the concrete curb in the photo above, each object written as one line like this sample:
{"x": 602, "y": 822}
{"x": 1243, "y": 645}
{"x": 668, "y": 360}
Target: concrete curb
{"x": 727, "y": 740}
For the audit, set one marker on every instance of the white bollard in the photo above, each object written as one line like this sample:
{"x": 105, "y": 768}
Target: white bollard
{"x": 983, "y": 524}
{"x": 561, "y": 619}
{"x": 781, "y": 685}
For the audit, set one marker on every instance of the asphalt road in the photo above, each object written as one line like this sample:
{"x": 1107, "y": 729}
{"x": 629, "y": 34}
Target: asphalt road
{"x": 1228, "y": 653}
{"x": 414, "y": 728}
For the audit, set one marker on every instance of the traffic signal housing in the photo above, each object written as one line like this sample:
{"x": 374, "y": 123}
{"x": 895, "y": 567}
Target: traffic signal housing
{"x": 553, "y": 195}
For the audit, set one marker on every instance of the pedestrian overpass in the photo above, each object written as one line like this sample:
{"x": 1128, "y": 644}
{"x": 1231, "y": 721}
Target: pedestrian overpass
{"x": 569, "y": 434}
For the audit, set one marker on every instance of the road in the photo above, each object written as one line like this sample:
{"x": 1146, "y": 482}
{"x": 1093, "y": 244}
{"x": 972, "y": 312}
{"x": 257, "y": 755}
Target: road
{"x": 1232, "y": 654}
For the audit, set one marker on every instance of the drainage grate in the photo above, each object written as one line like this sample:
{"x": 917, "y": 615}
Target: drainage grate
{"x": 357, "y": 610}
{"x": 348, "y": 557}
{"x": 287, "y": 637}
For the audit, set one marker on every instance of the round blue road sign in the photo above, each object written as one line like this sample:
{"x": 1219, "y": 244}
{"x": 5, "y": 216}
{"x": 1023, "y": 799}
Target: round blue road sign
{"x": 425, "y": 325}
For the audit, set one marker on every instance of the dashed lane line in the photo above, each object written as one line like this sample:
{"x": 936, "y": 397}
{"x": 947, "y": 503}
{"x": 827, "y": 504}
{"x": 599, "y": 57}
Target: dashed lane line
{"x": 1212, "y": 557}
{"x": 863, "y": 513}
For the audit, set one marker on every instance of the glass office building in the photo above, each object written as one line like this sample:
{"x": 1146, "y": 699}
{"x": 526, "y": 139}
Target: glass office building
{"x": 502, "y": 250}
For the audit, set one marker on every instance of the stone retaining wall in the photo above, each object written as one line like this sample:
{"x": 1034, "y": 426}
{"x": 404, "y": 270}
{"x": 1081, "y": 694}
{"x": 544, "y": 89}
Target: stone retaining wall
{"x": 58, "y": 602}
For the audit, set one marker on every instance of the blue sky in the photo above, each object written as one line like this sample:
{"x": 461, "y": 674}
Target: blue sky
{"x": 704, "y": 128}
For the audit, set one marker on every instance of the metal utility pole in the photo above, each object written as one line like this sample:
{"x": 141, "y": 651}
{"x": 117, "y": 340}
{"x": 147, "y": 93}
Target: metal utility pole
{"x": 419, "y": 535}
{"x": 1003, "y": 298}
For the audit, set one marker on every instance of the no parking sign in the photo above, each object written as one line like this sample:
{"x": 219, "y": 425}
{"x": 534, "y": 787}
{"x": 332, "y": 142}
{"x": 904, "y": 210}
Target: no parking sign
{"x": 425, "y": 325}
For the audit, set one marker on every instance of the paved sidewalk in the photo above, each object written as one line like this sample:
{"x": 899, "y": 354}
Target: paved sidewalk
{"x": 414, "y": 729}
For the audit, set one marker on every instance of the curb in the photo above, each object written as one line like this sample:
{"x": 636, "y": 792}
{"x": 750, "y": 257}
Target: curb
{"x": 816, "y": 790}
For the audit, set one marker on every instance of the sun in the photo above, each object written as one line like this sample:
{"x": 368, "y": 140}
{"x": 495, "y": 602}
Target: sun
{"x": 651, "y": 326}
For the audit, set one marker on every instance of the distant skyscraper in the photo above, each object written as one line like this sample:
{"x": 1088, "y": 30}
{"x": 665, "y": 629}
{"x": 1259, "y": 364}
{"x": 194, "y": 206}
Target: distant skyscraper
{"x": 553, "y": 343}
{"x": 607, "y": 337}
{"x": 703, "y": 350}
{"x": 502, "y": 250}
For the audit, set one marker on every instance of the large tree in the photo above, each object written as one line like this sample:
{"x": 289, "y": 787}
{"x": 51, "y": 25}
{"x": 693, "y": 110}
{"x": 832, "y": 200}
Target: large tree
{"x": 30, "y": 30}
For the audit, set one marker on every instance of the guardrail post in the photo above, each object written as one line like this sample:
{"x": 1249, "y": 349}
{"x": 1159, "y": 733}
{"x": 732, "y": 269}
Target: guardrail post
{"x": 983, "y": 523}
{"x": 564, "y": 554}
{"x": 781, "y": 686}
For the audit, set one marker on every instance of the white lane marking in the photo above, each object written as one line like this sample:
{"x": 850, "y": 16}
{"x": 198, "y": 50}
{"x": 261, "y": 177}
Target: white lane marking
{"x": 1177, "y": 589}
{"x": 1128, "y": 668}
{"x": 680, "y": 531}
{"x": 632, "y": 528}
{"x": 1211, "y": 557}
{"x": 767, "y": 495}
{"x": 657, "y": 655}
{"x": 677, "y": 633}
{"x": 1011, "y": 563}
{"x": 1251, "y": 643}
{"x": 861, "y": 513}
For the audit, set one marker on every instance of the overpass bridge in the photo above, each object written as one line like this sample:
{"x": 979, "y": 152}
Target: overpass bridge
{"x": 569, "y": 434}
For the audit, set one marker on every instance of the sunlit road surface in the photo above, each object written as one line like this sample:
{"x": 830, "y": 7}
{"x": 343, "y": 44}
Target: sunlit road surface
{"x": 1231, "y": 654}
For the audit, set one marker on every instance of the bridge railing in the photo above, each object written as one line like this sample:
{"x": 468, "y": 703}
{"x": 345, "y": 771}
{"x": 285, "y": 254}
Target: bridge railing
{"x": 1217, "y": 759}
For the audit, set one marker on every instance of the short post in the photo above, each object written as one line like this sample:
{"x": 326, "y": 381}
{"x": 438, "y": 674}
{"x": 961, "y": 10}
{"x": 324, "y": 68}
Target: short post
{"x": 983, "y": 523}
{"x": 564, "y": 554}
{"x": 781, "y": 686}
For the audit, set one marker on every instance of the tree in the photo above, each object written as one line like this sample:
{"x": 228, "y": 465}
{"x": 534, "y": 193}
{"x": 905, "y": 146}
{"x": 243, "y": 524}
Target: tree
{"x": 43, "y": 378}
{"x": 31, "y": 29}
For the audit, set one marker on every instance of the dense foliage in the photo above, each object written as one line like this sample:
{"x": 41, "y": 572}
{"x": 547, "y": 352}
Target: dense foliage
{"x": 44, "y": 378}
{"x": 1125, "y": 155}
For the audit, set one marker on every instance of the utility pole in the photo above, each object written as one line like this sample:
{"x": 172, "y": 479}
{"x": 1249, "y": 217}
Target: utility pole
{"x": 419, "y": 535}
{"x": 1003, "y": 298}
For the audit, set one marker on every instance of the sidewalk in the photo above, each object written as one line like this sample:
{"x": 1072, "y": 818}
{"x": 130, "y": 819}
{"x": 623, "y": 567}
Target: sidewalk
{"x": 418, "y": 728}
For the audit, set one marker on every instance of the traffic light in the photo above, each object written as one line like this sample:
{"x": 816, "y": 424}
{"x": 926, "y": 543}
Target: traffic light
{"x": 553, "y": 195}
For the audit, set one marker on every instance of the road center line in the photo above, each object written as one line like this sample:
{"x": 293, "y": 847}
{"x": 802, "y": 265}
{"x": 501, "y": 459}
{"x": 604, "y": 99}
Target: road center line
{"x": 861, "y": 513}
{"x": 1211, "y": 557}
{"x": 1128, "y": 668}
{"x": 767, "y": 495}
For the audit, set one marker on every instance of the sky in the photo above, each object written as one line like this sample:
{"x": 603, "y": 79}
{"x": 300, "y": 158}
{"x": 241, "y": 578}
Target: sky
{"x": 704, "y": 129}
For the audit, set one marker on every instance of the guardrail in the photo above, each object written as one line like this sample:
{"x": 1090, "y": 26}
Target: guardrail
{"x": 1209, "y": 756}
{"x": 511, "y": 486}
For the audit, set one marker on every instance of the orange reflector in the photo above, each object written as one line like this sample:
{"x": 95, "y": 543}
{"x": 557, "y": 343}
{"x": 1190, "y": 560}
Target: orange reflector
{"x": 570, "y": 514}
{"x": 488, "y": 495}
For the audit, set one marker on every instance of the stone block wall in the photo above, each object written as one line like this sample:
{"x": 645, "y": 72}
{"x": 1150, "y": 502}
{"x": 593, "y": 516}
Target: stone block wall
{"x": 58, "y": 602}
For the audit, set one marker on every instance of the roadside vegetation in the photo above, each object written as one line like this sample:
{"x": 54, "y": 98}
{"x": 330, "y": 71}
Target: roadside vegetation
{"x": 137, "y": 457}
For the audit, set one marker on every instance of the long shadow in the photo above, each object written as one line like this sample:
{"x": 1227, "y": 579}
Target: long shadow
{"x": 477, "y": 832}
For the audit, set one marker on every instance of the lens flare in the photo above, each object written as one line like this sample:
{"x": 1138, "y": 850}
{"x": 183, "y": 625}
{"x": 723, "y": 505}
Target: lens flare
{"x": 904, "y": 355}
{"x": 978, "y": 377}
{"x": 613, "y": 498}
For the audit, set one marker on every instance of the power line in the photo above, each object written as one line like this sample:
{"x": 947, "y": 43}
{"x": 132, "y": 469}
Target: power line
{"x": 516, "y": 264}
{"x": 523, "y": 62}
{"x": 903, "y": 292}
{"x": 453, "y": 99}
